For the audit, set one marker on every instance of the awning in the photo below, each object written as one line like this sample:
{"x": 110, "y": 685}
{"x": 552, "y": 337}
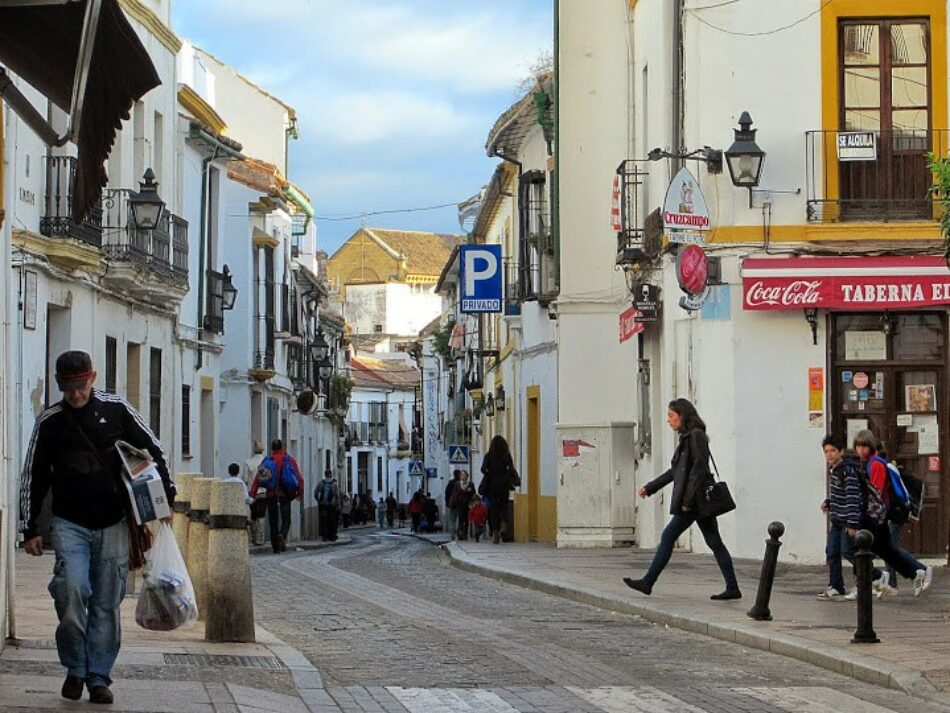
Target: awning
{"x": 42, "y": 44}
{"x": 845, "y": 283}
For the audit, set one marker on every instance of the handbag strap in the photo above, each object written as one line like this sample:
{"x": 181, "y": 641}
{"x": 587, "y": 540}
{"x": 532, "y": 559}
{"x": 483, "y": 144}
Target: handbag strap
{"x": 715, "y": 467}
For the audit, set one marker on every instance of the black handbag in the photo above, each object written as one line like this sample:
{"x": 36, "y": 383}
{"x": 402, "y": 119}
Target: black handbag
{"x": 714, "y": 499}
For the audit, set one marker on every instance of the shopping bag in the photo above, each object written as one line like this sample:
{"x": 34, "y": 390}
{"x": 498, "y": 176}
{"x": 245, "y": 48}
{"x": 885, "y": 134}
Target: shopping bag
{"x": 167, "y": 600}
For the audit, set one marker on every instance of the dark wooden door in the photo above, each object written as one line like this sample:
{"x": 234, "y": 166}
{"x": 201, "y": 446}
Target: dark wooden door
{"x": 894, "y": 383}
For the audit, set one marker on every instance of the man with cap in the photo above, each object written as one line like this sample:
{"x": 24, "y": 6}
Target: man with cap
{"x": 72, "y": 452}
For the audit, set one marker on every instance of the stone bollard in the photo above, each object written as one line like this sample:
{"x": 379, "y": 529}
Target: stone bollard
{"x": 863, "y": 568}
{"x": 229, "y": 604}
{"x": 198, "y": 540}
{"x": 760, "y": 610}
{"x": 180, "y": 511}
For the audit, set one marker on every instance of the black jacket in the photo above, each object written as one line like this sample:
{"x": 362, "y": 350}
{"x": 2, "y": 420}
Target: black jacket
{"x": 500, "y": 477}
{"x": 60, "y": 458}
{"x": 688, "y": 471}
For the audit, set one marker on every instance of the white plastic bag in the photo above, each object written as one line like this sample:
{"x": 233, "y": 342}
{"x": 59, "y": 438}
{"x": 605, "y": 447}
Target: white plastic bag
{"x": 167, "y": 600}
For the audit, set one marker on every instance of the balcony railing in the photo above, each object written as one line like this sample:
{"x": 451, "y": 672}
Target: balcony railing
{"x": 871, "y": 176}
{"x": 57, "y": 219}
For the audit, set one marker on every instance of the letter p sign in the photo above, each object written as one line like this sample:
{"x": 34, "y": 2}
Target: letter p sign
{"x": 480, "y": 278}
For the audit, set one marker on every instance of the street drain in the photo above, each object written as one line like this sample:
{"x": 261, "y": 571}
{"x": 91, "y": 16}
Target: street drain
{"x": 219, "y": 661}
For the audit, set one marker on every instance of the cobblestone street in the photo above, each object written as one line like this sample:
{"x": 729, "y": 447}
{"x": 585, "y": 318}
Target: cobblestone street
{"x": 391, "y": 626}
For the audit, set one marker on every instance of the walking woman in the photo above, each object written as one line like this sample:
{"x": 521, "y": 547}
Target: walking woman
{"x": 500, "y": 477}
{"x": 688, "y": 472}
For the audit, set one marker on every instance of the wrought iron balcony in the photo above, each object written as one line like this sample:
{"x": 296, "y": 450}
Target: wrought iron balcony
{"x": 163, "y": 250}
{"x": 871, "y": 175}
{"x": 57, "y": 220}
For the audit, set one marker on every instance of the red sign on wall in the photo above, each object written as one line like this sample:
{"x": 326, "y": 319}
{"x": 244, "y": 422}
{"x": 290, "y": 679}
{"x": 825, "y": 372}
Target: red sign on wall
{"x": 692, "y": 269}
{"x": 629, "y": 324}
{"x": 845, "y": 283}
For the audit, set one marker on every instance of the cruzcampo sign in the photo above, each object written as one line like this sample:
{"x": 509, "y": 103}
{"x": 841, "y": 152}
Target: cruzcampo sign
{"x": 685, "y": 213}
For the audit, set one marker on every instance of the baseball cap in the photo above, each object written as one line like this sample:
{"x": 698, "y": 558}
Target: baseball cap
{"x": 73, "y": 370}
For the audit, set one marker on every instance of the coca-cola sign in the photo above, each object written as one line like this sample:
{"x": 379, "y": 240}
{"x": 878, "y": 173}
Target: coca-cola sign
{"x": 845, "y": 283}
{"x": 692, "y": 269}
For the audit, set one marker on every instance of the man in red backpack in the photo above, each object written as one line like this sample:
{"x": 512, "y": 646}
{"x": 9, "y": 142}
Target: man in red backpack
{"x": 280, "y": 476}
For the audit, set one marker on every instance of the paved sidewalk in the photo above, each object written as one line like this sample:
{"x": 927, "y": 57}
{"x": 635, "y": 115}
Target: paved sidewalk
{"x": 914, "y": 655}
{"x": 150, "y": 675}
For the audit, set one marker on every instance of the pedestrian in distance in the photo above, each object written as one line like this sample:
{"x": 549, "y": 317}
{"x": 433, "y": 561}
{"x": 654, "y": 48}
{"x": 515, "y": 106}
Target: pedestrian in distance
{"x": 370, "y": 505}
{"x": 451, "y": 513}
{"x": 462, "y": 498}
{"x": 73, "y": 453}
{"x": 895, "y": 522}
{"x": 327, "y": 495}
{"x": 499, "y": 479}
{"x": 381, "y": 513}
{"x": 415, "y": 511}
{"x": 876, "y": 497}
{"x": 280, "y": 476}
{"x": 259, "y": 508}
{"x": 477, "y": 517}
{"x": 401, "y": 511}
{"x": 843, "y": 507}
{"x": 689, "y": 471}
{"x": 391, "y": 506}
{"x": 234, "y": 476}
{"x": 346, "y": 509}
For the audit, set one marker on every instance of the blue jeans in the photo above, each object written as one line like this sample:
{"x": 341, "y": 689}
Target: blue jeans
{"x": 839, "y": 545}
{"x": 88, "y": 586}
{"x": 679, "y": 524}
{"x": 895, "y": 531}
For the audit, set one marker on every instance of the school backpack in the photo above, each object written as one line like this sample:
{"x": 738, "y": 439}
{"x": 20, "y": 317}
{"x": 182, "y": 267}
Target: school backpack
{"x": 906, "y": 492}
{"x": 289, "y": 476}
{"x": 875, "y": 511}
{"x": 267, "y": 473}
{"x": 324, "y": 492}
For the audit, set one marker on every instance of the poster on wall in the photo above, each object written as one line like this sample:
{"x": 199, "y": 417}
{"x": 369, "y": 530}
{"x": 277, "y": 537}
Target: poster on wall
{"x": 865, "y": 345}
{"x": 920, "y": 397}
{"x": 816, "y": 397}
{"x": 854, "y": 426}
{"x": 29, "y": 300}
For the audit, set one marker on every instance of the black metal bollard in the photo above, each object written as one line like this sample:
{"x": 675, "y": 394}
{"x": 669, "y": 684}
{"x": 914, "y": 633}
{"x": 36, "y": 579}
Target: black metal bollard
{"x": 863, "y": 565}
{"x": 760, "y": 611}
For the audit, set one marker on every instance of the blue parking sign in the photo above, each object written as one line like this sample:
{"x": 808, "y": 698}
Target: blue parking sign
{"x": 480, "y": 278}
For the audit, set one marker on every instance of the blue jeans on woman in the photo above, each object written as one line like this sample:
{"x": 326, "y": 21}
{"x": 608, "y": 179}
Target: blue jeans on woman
{"x": 679, "y": 524}
{"x": 88, "y": 586}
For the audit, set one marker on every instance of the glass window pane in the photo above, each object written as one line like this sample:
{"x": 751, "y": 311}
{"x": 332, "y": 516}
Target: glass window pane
{"x": 909, "y": 43}
{"x": 918, "y": 336}
{"x": 862, "y": 88}
{"x": 861, "y": 44}
{"x": 910, "y": 120}
{"x": 908, "y": 86}
{"x": 862, "y": 120}
{"x": 845, "y": 323}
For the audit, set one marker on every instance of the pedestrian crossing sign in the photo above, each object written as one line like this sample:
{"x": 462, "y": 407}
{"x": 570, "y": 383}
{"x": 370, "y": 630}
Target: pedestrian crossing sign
{"x": 458, "y": 455}
{"x": 415, "y": 468}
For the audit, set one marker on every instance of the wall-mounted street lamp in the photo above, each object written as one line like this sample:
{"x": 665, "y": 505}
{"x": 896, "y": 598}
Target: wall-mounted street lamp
{"x": 319, "y": 348}
{"x": 708, "y": 155}
{"x": 147, "y": 206}
{"x": 490, "y": 406}
{"x": 228, "y": 290}
{"x": 325, "y": 368}
{"x": 500, "y": 398}
{"x": 811, "y": 316}
{"x": 744, "y": 158}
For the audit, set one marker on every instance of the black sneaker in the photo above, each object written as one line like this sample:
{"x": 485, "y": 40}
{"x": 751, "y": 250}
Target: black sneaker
{"x": 639, "y": 585}
{"x": 726, "y": 595}
{"x": 100, "y": 694}
{"x": 72, "y": 688}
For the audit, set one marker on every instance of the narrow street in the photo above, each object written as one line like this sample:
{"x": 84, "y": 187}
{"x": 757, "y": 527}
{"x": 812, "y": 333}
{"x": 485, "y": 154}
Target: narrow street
{"x": 391, "y": 626}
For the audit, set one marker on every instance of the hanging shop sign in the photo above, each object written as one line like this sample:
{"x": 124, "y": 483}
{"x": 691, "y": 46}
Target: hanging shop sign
{"x": 692, "y": 272}
{"x": 857, "y": 146}
{"x": 852, "y": 283}
{"x": 647, "y": 303}
{"x": 685, "y": 213}
{"x": 629, "y": 325}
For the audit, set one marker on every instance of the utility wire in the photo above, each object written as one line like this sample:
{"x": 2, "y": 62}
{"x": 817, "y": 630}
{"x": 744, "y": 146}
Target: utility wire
{"x": 763, "y": 32}
{"x": 386, "y": 212}
{"x": 711, "y": 7}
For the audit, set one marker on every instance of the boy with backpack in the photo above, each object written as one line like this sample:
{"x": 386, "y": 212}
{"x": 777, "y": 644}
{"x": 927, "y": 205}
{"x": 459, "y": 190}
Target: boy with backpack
{"x": 876, "y": 497}
{"x": 327, "y": 495}
{"x": 280, "y": 476}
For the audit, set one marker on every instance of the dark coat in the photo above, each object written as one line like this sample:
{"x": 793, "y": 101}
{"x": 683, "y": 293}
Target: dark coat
{"x": 500, "y": 477}
{"x": 688, "y": 471}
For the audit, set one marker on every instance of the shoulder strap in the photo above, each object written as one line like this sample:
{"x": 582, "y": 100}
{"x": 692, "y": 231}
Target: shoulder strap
{"x": 715, "y": 467}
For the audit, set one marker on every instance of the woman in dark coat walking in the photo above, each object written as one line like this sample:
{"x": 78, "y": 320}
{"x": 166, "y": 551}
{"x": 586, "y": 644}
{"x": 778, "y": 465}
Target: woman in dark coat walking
{"x": 500, "y": 477}
{"x": 689, "y": 472}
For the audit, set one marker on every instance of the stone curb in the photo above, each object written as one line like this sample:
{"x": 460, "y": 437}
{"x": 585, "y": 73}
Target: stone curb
{"x": 307, "y": 546}
{"x": 828, "y": 657}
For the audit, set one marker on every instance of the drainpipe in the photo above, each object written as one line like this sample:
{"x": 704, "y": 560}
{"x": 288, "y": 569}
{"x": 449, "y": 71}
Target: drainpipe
{"x": 556, "y": 183}
{"x": 678, "y": 112}
{"x": 204, "y": 243}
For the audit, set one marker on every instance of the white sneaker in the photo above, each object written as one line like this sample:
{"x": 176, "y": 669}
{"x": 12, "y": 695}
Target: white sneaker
{"x": 886, "y": 591}
{"x": 831, "y": 594}
{"x": 922, "y": 580}
{"x": 852, "y": 595}
{"x": 879, "y": 584}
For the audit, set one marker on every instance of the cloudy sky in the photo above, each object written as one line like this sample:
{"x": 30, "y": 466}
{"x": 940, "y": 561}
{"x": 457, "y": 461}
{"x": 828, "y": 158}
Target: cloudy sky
{"x": 394, "y": 97}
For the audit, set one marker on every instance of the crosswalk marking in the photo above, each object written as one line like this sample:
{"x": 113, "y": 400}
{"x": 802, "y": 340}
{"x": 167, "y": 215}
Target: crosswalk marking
{"x": 446, "y": 700}
{"x": 629, "y": 699}
{"x": 811, "y": 699}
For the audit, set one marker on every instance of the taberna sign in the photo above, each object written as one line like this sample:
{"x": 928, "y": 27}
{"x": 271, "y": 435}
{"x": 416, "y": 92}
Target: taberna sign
{"x": 685, "y": 213}
{"x": 480, "y": 278}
